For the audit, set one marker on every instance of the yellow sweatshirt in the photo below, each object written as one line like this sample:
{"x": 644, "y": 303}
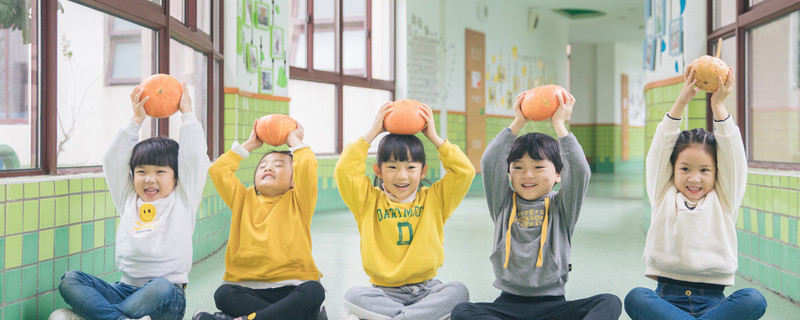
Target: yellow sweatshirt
{"x": 270, "y": 239}
{"x": 401, "y": 243}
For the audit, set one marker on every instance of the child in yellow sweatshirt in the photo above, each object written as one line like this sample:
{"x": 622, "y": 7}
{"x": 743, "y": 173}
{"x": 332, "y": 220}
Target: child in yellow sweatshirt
{"x": 269, "y": 270}
{"x": 401, "y": 225}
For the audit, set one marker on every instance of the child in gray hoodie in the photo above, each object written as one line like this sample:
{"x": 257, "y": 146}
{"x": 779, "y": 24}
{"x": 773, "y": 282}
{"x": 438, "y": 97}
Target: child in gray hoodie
{"x": 534, "y": 224}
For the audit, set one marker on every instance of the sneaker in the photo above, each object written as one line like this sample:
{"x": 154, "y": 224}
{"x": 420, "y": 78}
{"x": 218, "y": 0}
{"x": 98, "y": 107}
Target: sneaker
{"x": 65, "y": 314}
{"x": 202, "y": 315}
{"x": 352, "y": 317}
{"x": 143, "y": 318}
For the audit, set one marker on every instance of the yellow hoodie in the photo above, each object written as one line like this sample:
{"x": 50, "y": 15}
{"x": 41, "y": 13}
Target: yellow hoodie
{"x": 401, "y": 243}
{"x": 270, "y": 239}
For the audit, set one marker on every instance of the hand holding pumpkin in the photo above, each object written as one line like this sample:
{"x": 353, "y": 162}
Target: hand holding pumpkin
{"x": 430, "y": 129}
{"x": 519, "y": 117}
{"x": 377, "y": 125}
{"x": 185, "y": 104}
{"x": 253, "y": 142}
{"x": 565, "y": 103}
{"x": 725, "y": 89}
{"x": 138, "y": 105}
{"x": 295, "y": 137}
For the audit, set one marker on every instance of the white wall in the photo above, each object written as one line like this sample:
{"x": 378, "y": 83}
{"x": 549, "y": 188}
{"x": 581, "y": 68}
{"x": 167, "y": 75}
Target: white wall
{"x": 583, "y": 86}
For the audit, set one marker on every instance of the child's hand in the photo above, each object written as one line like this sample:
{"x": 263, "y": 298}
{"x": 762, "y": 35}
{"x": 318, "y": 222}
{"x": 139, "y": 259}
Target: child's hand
{"x": 689, "y": 90}
{"x": 253, "y": 142}
{"x": 377, "y": 126}
{"x": 430, "y": 129}
{"x": 519, "y": 118}
{"x": 718, "y": 97}
{"x": 185, "y": 105}
{"x": 295, "y": 138}
{"x": 138, "y": 105}
{"x": 725, "y": 88}
{"x": 565, "y": 103}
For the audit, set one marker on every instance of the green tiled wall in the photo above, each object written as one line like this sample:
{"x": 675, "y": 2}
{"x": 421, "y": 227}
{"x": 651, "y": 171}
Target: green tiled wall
{"x": 55, "y": 224}
{"x": 769, "y": 218}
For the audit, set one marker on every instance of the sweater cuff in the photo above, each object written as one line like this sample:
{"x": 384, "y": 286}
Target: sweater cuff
{"x": 240, "y": 150}
{"x": 725, "y": 127}
{"x": 667, "y": 115}
{"x": 298, "y": 147}
{"x": 132, "y": 128}
{"x": 670, "y": 124}
{"x": 189, "y": 117}
{"x": 568, "y": 142}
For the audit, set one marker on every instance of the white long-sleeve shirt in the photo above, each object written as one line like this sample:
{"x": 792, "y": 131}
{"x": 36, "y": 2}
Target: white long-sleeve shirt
{"x": 160, "y": 246}
{"x": 696, "y": 245}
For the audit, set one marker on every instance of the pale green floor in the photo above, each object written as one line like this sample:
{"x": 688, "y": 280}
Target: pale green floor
{"x": 606, "y": 252}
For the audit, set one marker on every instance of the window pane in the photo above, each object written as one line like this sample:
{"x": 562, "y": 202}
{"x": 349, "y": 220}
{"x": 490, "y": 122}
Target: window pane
{"x": 126, "y": 60}
{"x": 383, "y": 40}
{"x": 728, "y": 54}
{"x": 724, "y": 13}
{"x": 190, "y": 66}
{"x": 90, "y": 111}
{"x": 360, "y": 107}
{"x": 176, "y": 9}
{"x": 324, "y": 35}
{"x": 313, "y": 104}
{"x": 355, "y": 38}
{"x": 216, "y": 109}
{"x": 297, "y": 46}
{"x": 774, "y": 102}
{"x": 204, "y": 15}
{"x": 19, "y": 141}
{"x": 752, "y": 2}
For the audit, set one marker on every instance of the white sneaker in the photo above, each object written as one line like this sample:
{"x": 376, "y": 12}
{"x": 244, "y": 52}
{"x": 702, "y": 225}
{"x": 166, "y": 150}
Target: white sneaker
{"x": 65, "y": 314}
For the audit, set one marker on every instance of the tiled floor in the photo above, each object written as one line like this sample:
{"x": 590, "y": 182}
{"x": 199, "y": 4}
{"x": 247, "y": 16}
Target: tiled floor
{"x": 606, "y": 252}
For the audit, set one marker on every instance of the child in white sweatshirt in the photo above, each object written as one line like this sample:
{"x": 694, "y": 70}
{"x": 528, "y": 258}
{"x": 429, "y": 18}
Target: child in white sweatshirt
{"x": 696, "y": 181}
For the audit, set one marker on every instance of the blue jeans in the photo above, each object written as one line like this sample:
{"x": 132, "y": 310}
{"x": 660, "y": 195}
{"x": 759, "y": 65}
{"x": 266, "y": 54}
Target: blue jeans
{"x": 671, "y": 301}
{"x": 93, "y": 298}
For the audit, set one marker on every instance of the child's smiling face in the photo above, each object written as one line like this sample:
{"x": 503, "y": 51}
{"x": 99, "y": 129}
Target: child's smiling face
{"x": 695, "y": 172}
{"x": 400, "y": 178}
{"x": 532, "y": 178}
{"x": 273, "y": 175}
{"x": 153, "y": 182}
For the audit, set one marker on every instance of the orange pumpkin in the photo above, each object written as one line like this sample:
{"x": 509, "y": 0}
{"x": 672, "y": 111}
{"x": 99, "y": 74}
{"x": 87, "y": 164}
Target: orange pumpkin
{"x": 707, "y": 70}
{"x": 274, "y": 128}
{"x": 165, "y": 94}
{"x": 541, "y": 102}
{"x": 405, "y": 118}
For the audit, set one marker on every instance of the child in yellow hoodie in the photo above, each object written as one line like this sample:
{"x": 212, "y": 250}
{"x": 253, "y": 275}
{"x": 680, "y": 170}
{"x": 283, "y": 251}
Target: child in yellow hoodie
{"x": 401, "y": 225}
{"x": 269, "y": 270}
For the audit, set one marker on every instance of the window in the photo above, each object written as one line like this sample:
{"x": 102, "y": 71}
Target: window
{"x": 68, "y": 91}
{"x": 344, "y": 70}
{"x": 766, "y": 97}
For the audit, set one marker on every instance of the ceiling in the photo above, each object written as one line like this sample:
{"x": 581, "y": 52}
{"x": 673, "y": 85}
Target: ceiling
{"x": 623, "y": 20}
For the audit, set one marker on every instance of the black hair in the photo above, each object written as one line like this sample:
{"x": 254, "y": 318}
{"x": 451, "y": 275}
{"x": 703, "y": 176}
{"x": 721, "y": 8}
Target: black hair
{"x": 687, "y": 138}
{"x": 156, "y": 151}
{"x": 398, "y": 147}
{"x": 539, "y": 147}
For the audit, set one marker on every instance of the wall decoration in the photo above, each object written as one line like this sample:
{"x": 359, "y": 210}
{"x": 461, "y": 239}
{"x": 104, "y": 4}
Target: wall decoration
{"x": 649, "y": 53}
{"x": 276, "y": 42}
{"x": 248, "y": 12}
{"x": 265, "y": 84}
{"x": 262, "y": 16}
{"x": 659, "y": 17}
{"x": 251, "y": 58}
{"x": 676, "y": 36}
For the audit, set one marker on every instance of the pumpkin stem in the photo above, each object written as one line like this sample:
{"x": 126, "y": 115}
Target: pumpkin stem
{"x": 719, "y": 47}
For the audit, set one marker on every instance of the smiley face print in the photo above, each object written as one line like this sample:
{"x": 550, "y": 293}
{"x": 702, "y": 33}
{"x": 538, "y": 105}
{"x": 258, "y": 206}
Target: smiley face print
{"x": 147, "y": 212}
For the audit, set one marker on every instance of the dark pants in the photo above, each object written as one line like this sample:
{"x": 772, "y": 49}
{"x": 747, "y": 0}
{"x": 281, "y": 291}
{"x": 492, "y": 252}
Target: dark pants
{"x": 509, "y": 306}
{"x": 300, "y": 302}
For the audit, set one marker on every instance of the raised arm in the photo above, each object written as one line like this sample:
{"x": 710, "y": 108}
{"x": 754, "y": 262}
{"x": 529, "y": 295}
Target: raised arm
{"x": 116, "y": 160}
{"x": 305, "y": 171}
{"x": 731, "y": 157}
{"x": 193, "y": 162}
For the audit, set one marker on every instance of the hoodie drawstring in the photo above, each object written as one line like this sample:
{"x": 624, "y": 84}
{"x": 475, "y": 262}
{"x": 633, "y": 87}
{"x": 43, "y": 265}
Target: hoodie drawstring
{"x": 513, "y": 219}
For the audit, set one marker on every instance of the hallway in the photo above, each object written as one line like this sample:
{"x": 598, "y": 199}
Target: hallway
{"x": 606, "y": 252}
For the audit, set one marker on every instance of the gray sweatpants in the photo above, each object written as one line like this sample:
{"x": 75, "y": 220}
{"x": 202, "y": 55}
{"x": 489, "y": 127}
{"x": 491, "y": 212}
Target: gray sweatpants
{"x": 427, "y": 300}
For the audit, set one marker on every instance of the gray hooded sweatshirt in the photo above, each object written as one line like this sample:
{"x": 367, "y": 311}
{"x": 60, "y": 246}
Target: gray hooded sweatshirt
{"x": 522, "y": 276}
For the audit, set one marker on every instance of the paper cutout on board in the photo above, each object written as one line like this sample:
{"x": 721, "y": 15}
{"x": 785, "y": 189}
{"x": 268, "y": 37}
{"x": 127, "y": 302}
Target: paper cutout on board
{"x": 476, "y": 79}
{"x": 683, "y": 5}
{"x": 282, "y": 77}
{"x": 676, "y": 66}
{"x": 514, "y": 51}
{"x": 663, "y": 45}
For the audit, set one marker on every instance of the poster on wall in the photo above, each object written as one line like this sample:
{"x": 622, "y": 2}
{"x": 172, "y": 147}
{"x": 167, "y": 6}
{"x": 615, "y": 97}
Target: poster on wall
{"x": 248, "y": 12}
{"x": 276, "y": 42}
{"x": 251, "y": 58}
{"x": 262, "y": 16}
{"x": 649, "y": 53}
{"x": 424, "y": 54}
{"x": 265, "y": 85}
{"x": 659, "y": 17}
{"x": 676, "y": 36}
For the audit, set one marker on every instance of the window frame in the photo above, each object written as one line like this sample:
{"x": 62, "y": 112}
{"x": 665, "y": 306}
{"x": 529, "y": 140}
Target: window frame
{"x": 747, "y": 18}
{"x": 44, "y": 28}
{"x": 338, "y": 78}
